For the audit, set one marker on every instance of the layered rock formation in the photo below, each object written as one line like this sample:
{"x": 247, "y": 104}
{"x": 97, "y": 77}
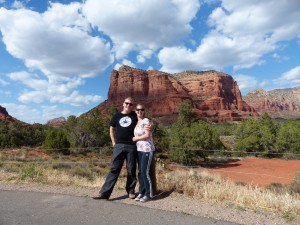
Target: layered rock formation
{"x": 215, "y": 96}
{"x": 5, "y": 116}
{"x": 57, "y": 122}
{"x": 284, "y": 103}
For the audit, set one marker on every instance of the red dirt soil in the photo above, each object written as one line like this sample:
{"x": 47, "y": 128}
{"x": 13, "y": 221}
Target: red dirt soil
{"x": 258, "y": 172}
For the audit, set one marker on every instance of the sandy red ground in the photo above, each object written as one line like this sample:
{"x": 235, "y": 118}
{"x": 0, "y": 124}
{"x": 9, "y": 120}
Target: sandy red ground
{"x": 254, "y": 171}
{"x": 259, "y": 172}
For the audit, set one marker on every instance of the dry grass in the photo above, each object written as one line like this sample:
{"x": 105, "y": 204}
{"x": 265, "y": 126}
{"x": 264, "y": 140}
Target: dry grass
{"x": 213, "y": 188}
{"x": 199, "y": 185}
{"x": 76, "y": 174}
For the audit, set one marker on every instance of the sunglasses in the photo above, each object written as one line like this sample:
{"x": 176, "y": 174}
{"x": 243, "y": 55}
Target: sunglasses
{"x": 140, "y": 110}
{"x": 128, "y": 103}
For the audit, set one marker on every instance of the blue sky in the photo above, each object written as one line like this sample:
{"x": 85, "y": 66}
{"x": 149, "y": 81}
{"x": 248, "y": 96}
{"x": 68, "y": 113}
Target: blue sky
{"x": 56, "y": 56}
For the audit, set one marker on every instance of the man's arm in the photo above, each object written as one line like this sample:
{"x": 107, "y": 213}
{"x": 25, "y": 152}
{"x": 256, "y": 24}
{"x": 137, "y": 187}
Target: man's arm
{"x": 112, "y": 135}
{"x": 149, "y": 127}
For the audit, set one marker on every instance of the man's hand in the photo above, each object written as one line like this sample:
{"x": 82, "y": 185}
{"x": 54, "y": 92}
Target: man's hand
{"x": 134, "y": 139}
{"x": 149, "y": 127}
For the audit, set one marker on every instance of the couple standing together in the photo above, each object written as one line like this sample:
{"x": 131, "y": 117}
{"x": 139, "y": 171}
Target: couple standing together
{"x": 131, "y": 137}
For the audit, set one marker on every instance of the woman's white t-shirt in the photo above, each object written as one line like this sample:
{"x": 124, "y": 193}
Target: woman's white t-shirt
{"x": 144, "y": 145}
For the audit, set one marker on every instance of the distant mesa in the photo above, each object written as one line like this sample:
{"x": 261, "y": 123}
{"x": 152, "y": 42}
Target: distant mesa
{"x": 215, "y": 96}
{"x": 279, "y": 103}
{"x": 5, "y": 116}
{"x": 57, "y": 122}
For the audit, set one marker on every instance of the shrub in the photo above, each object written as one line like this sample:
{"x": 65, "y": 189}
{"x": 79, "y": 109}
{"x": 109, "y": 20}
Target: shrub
{"x": 288, "y": 139}
{"x": 57, "y": 140}
{"x": 199, "y": 136}
{"x": 82, "y": 170}
{"x": 30, "y": 171}
{"x": 62, "y": 165}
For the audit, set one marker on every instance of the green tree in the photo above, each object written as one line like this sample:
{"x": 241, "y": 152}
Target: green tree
{"x": 57, "y": 140}
{"x": 186, "y": 114}
{"x": 256, "y": 136}
{"x": 112, "y": 110}
{"x": 4, "y": 135}
{"x": 89, "y": 130}
{"x": 188, "y": 133}
{"x": 288, "y": 139}
{"x": 199, "y": 136}
{"x": 160, "y": 138}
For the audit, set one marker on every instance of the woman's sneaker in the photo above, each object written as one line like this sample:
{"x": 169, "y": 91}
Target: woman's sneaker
{"x": 138, "y": 197}
{"x": 144, "y": 199}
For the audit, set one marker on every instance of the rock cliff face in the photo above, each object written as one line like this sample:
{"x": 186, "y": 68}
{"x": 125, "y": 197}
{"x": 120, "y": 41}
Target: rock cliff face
{"x": 57, "y": 122}
{"x": 5, "y": 116}
{"x": 215, "y": 96}
{"x": 283, "y": 103}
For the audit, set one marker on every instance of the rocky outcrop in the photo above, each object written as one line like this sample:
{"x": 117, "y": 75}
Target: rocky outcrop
{"x": 215, "y": 96}
{"x": 5, "y": 116}
{"x": 284, "y": 103}
{"x": 57, "y": 122}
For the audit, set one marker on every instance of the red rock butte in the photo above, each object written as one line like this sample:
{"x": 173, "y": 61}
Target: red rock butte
{"x": 278, "y": 103}
{"x": 5, "y": 116}
{"x": 215, "y": 96}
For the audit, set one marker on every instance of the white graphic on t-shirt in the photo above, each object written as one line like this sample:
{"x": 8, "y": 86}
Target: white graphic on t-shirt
{"x": 125, "y": 121}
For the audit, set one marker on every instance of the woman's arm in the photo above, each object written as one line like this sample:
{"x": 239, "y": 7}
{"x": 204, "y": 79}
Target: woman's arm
{"x": 146, "y": 135}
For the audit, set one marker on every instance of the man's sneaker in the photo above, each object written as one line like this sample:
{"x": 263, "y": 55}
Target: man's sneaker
{"x": 131, "y": 196}
{"x": 144, "y": 199}
{"x": 138, "y": 197}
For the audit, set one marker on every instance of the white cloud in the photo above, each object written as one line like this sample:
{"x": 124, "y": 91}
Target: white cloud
{"x": 34, "y": 115}
{"x": 247, "y": 83}
{"x": 124, "y": 62}
{"x": 52, "y": 90}
{"x": 144, "y": 54}
{"x": 140, "y": 24}
{"x": 28, "y": 80}
{"x": 243, "y": 32}
{"x": 8, "y": 93}
{"x": 75, "y": 99}
{"x": 128, "y": 63}
{"x": 117, "y": 66}
{"x": 3, "y": 82}
{"x": 290, "y": 77}
{"x": 56, "y": 42}
{"x": 150, "y": 68}
{"x": 52, "y": 112}
{"x": 18, "y": 5}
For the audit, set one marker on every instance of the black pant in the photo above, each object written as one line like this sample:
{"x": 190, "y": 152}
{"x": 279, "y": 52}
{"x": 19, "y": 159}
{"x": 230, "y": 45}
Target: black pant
{"x": 120, "y": 153}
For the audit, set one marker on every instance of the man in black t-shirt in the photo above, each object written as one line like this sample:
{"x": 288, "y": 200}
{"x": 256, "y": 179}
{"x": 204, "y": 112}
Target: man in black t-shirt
{"x": 121, "y": 132}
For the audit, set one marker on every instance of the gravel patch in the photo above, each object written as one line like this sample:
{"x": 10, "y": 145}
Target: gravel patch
{"x": 169, "y": 202}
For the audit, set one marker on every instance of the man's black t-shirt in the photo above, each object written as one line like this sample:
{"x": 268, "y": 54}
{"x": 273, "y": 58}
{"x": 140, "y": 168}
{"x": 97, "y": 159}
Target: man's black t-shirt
{"x": 124, "y": 125}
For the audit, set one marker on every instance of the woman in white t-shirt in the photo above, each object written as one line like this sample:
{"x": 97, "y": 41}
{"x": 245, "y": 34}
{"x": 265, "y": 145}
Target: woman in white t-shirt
{"x": 145, "y": 148}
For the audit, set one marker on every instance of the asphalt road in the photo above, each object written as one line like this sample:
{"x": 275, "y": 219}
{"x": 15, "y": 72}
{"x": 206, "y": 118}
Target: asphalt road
{"x": 36, "y": 208}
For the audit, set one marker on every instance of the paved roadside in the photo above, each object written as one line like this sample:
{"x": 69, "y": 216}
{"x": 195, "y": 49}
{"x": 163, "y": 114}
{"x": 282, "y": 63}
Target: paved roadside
{"x": 34, "y": 208}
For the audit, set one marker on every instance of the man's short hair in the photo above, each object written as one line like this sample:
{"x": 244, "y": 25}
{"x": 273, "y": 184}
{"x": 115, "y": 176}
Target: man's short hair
{"x": 130, "y": 99}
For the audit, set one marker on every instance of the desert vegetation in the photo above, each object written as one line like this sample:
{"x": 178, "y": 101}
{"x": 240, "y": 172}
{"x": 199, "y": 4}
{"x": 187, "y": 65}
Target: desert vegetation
{"x": 262, "y": 137}
{"x": 89, "y": 170}
{"x": 78, "y": 153}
